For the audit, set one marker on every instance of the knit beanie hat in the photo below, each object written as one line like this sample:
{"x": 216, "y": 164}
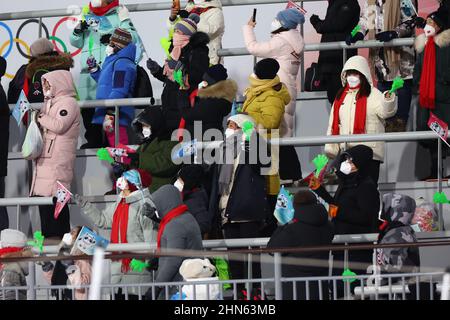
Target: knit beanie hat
{"x": 41, "y": 46}
{"x": 267, "y": 68}
{"x": 12, "y": 238}
{"x": 290, "y": 18}
{"x": 215, "y": 74}
{"x": 188, "y": 26}
{"x": 192, "y": 176}
{"x": 121, "y": 38}
{"x": 440, "y": 17}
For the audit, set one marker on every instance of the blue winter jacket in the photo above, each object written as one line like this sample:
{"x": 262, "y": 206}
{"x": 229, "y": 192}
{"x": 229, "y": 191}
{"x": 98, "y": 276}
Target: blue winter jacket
{"x": 116, "y": 80}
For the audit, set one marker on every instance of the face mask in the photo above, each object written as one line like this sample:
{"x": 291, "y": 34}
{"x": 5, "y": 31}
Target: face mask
{"x": 109, "y": 50}
{"x": 179, "y": 185}
{"x": 229, "y": 132}
{"x": 96, "y": 3}
{"x": 353, "y": 81}
{"x": 202, "y": 84}
{"x": 146, "y": 132}
{"x": 430, "y": 31}
{"x": 275, "y": 25}
{"x": 346, "y": 168}
{"x": 67, "y": 239}
{"x": 122, "y": 183}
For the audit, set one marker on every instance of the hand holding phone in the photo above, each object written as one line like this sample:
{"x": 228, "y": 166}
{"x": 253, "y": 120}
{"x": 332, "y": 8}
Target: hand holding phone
{"x": 254, "y": 15}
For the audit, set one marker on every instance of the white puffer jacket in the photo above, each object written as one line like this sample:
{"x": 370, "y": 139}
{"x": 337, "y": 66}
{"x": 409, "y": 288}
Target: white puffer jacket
{"x": 379, "y": 108}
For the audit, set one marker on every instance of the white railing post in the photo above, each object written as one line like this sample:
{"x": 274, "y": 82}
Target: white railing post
{"x": 277, "y": 276}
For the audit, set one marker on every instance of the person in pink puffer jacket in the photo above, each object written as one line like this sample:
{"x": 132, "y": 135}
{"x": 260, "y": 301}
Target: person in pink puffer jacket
{"x": 59, "y": 120}
{"x": 285, "y": 46}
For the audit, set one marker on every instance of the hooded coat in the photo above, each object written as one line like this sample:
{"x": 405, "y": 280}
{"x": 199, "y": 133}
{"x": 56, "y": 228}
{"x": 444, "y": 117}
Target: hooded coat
{"x": 442, "y": 100}
{"x": 181, "y": 233}
{"x": 379, "y": 108}
{"x": 310, "y": 227}
{"x": 116, "y": 80}
{"x": 212, "y": 105}
{"x": 90, "y": 45}
{"x": 14, "y": 275}
{"x": 155, "y": 152}
{"x": 195, "y": 60}
{"x": 60, "y": 123}
{"x": 4, "y": 124}
{"x": 285, "y": 47}
{"x": 33, "y": 72}
{"x": 140, "y": 229}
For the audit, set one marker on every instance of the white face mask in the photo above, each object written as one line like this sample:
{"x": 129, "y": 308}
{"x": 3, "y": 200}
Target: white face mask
{"x": 179, "y": 185}
{"x": 229, "y": 132}
{"x": 202, "y": 84}
{"x": 96, "y": 3}
{"x": 430, "y": 31}
{"x": 346, "y": 167}
{"x": 109, "y": 50}
{"x": 275, "y": 25}
{"x": 67, "y": 239}
{"x": 122, "y": 183}
{"x": 353, "y": 81}
{"x": 146, "y": 132}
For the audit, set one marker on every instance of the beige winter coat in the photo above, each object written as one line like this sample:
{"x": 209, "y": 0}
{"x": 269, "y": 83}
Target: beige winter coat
{"x": 379, "y": 108}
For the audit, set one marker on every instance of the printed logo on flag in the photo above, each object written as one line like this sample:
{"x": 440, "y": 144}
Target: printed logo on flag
{"x": 292, "y": 4}
{"x": 87, "y": 240}
{"x": 439, "y": 127}
{"x": 62, "y": 197}
{"x": 21, "y": 107}
{"x": 185, "y": 150}
{"x": 284, "y": 209}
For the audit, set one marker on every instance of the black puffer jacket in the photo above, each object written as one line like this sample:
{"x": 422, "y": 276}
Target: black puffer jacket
{"x": 310, "y": 227}
{"x": 197, "y": 202}
{"x": 212, "y": 104}
{"x": 341, "y": 17}
{"x": 4, "y": 124}
{"x": 194, "y": 57}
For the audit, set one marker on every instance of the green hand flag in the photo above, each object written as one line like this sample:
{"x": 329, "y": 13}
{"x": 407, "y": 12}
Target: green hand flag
{"x": 348, "y": 273}
{"x": 38, "y": 241}
{"x": 320, "y": 162}
{"x": 397, "y": 84}
{"x": 138, "y": 265}
{"x": 248, "y": 128}
{"x": 103, "y": 155}
{"x": 440, "y": 198}
{"x": 356, "y": 30}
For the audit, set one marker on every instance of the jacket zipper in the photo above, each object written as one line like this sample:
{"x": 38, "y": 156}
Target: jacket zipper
{"x": 50, "y": 146}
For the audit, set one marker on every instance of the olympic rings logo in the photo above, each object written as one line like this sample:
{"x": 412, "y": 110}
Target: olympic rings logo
{"x": 9, "y": 44}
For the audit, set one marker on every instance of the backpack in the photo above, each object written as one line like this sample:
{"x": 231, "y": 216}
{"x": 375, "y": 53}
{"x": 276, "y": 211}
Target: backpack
{"x": 313, "y": 79}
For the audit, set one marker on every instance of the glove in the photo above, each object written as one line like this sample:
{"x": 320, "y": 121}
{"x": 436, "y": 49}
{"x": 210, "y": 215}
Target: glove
{"x": 108, "y": 123}
{"x": 386, "y": 36}
{"x": 153, "y": 264}
{"x": 332, "y": 210}
{"x": 81, "y": 27}
{"x": 420, "y": 22}
{"x": 149, "y": 211}
{"x": 314, "y": 19}
{"x": 67, "y": 263}
{"x": 104, "y": 39}
{"x": 46, "y": 266}
{"x": 358, "y": 37}
{"x": 118, "y": 169}
{"x": 123, "y": 13}
{"x": 153, "y": 66}
{"x": 92, "y": 64}
{"x": 79, "y": 200}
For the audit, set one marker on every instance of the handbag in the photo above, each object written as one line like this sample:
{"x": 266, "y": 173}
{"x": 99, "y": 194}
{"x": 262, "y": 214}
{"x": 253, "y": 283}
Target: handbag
{"x": 33, "y": 144}
{"x": 314, "y": 79}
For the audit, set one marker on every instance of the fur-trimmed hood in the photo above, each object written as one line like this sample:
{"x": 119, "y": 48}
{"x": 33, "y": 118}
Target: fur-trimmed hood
{"x": 225, "y": 89}
{"x": 198, "y": 39}
{"x": 442, "y": 40}
{"x": 49, "y": 62}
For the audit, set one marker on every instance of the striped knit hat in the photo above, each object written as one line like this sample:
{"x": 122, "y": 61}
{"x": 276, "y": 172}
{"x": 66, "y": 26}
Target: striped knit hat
{"x": 188, "y": 26}
{"x": 121, "y": 38}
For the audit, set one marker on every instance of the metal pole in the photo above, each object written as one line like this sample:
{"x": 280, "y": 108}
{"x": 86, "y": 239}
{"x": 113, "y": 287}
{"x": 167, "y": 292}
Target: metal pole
{"x": 116, "y": 126}
{"x": 97, "y": 266}
{"x": 302, "y": 65}
{"x": 18, "y": 218}
{"x": 40, "y": 27}
{"x": 277, "y": 276}
{"x": 344, "y": 57}
{"x": 439, "y": 175}
{"x": 32, "y": 280}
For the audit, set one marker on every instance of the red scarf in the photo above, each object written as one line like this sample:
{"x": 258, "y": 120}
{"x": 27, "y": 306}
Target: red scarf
{"x": 172, "y": 214}
{"x": 427, "y": 85}
{"x": 7, "y": 250}
{"x": 359, "y": 126}
{"x": 182, "y": 124}
{"x": 199, "y": 10}
{"x": 101, "y": 11}
{"x": 120, "y": 224}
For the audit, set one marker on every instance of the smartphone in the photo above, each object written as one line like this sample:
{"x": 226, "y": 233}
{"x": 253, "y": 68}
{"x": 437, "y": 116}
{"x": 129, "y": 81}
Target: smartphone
{"x": 254, "y": 15}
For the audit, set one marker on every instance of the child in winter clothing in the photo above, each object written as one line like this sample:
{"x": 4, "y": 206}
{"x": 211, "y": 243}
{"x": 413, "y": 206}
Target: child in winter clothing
{"x": 193, "y": 270}
{"x": 360, "y": 108}
{"x": 183, "y": 70}
{"x": 430, "y": 78}
{"x": 59, "y": 119}
{"x": 4, "y": 142}
{"x": 213, "y": 102}
{"x": 128, "y": 221}
{"x": 13, "y": 244}
{"x": 189, "y": 182}
{"x": 155, "y": 152}
{"x": 115, "y": 80}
